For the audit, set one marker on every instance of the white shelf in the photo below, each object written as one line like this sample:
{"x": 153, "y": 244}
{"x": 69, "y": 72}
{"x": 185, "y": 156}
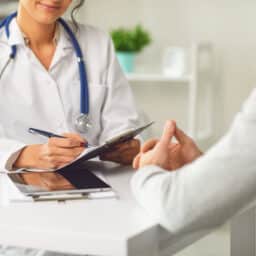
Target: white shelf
{"x": 140, "y": 77}
{"x": 201, "y": 67}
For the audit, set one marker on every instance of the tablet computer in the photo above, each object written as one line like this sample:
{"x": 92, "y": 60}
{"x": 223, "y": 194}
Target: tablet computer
{"x": 61, "y": 185}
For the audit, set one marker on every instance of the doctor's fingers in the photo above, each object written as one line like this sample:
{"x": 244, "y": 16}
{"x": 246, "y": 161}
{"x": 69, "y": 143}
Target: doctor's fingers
{"x": 75, "y": 136}
{"x": 65, "y": 142}
{"x": 134, "y": 143}
{"x": 58, "y": 151}
{"x": 131, "y": 148}
{"x": 120, "y": 156}
{"x": 54, "y": 162}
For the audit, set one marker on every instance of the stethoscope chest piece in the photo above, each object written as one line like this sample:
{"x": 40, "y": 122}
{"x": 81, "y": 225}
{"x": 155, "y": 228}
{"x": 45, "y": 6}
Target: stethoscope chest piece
{"x": 82, "y": 123}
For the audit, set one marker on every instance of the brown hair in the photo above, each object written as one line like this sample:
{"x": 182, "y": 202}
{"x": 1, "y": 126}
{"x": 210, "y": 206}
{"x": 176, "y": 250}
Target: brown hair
{"x": 76, "y": 8}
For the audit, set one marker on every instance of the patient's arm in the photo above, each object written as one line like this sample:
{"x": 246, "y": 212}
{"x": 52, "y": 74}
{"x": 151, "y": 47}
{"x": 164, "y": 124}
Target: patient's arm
{"x": 210, "y": 190}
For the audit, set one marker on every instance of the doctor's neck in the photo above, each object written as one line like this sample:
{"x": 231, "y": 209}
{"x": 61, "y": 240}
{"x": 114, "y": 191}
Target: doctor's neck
{"x": 37, "y": 33}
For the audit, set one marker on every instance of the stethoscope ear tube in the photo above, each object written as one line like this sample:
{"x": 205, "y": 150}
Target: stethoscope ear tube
{"x": 5, "y": 66}
{"x": 5, "y": 23}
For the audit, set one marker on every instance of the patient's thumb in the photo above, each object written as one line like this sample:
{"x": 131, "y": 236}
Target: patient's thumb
{"x": 168, "y": 133}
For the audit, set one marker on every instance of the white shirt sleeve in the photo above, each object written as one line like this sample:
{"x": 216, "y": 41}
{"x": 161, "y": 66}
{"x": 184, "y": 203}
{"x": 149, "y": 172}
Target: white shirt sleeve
{"x": 215, "y": 187}
{"x": 9, "y": 151}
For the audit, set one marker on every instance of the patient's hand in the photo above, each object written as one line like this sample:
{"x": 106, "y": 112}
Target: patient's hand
{"x": 166, "y": 154}
{"x": 184, "y": 152}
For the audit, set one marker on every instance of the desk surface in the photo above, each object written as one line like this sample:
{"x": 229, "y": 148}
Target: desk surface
{"x": 97, "y": 227}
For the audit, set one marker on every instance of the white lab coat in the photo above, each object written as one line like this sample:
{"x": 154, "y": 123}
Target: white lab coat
{"x": 204, "y": 194}
{"x": 31, "y": 96}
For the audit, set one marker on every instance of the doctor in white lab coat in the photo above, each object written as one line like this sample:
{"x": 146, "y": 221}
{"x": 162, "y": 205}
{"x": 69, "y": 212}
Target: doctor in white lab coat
{"x": 40, "y": 88}
{"x": 187, "y": 191}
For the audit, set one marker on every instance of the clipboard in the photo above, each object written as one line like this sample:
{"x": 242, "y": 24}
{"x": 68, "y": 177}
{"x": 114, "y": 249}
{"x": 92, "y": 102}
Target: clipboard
{"x": 93, "y": 152}
{"x": 121, "y": 138}
{"x": 90, "y": 152}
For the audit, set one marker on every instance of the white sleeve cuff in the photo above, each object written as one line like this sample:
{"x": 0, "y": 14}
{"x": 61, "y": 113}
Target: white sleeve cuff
{"x": 142, "y": 175}
{"x": 8, "y": 158}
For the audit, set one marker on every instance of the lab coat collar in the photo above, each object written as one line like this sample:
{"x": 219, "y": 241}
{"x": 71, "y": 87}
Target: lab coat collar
{"x": 17, "y": 38}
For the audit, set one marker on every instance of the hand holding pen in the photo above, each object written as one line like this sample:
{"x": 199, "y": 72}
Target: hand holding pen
{"x": 47, "y": 134}
{"x": 57, "y": 152}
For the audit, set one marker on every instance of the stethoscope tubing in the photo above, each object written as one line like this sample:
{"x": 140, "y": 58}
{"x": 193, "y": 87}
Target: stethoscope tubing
{"x": 7, "y": 31}
{"x": 84, "y": 94}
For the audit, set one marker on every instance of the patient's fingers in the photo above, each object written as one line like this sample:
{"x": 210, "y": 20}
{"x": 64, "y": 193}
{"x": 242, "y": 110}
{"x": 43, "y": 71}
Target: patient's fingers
{"x": 136, "y": 161}
{"x": 173, "y": 146}
{"x": 181, "y": 136}
{"x": 168, "y": 133}
{"x": 148, "y": 145}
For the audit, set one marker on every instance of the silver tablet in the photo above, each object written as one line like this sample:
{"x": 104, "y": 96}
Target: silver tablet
{"x": 65, "y": 184}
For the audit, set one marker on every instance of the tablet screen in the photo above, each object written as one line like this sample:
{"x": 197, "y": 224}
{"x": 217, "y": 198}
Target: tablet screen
{"x": 67, "y": 180}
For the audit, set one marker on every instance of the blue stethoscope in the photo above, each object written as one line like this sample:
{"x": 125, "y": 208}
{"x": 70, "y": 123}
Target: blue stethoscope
{"x": 82, "y": 123}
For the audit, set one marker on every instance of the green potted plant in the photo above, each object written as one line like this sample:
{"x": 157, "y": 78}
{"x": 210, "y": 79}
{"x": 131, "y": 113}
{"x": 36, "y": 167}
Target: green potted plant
{"x": 128, "y": 43}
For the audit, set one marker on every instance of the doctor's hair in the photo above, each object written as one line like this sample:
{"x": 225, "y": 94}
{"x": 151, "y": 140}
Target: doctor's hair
{"x": 76, "y": 8}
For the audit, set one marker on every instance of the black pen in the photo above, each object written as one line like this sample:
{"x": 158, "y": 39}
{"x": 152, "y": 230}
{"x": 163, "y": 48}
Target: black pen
{"x": 51, "y": 135}
{"x": 45, "y": 133}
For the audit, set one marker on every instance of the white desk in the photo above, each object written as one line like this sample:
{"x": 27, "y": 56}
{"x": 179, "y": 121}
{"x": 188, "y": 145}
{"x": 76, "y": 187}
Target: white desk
{"x": 96, "y": 227}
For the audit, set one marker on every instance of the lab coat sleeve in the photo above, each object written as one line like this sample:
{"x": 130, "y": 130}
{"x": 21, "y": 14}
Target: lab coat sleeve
{"x": 119, "y": 110}
{"x": 204, "y": 194}
{"x": 9, "y": 152}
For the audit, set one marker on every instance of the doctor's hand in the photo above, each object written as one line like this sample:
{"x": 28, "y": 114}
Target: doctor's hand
{"x": 56, "y": 153}
{"x": 164, "y": 153}
{"x": 123, "y": 153}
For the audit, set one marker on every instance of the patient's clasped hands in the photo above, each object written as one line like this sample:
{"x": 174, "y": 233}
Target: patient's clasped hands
{"x": 165, "y": 153}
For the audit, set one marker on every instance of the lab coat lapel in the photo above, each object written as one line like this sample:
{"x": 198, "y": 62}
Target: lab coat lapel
{"x": 64, "y": 47}
{"x": 16, "y": 37}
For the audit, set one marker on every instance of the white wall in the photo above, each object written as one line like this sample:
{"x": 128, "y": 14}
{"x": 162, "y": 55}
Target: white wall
{"x": 228, "y": 24}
